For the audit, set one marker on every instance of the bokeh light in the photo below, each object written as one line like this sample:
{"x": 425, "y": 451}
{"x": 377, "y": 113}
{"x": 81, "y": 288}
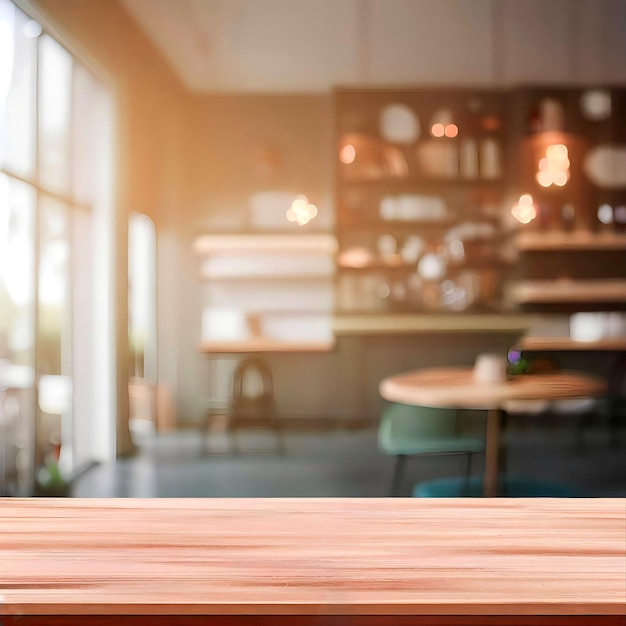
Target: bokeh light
{"x": 437, "y": 130}
{"x": 347, "y": 154}
{"x": 301, "y": 211}
{"x": 451, "y": 130}
{"x": 553, "y": 169}
{"x": 524, "y": 211}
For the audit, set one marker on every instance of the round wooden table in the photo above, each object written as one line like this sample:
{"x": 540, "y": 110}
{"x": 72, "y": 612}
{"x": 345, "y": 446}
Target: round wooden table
{"x": 449, "y": 387}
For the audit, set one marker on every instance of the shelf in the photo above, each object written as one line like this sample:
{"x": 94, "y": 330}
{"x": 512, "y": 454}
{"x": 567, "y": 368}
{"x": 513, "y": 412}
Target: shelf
{"x": 557, "y": 344}
{"x": 563, "y": 241}
{"x": 390, "y": 324}
{"x": 380, "y": 266}
{"x": 419, "y": 181}
{"x": 570, "y": 291}
{"x": 239, "y": 278}
{"x": 274, "y": 244}
{"x": 262, "y": 344}
{"x": 363, "y": 224}
{"x": 453, "y": 268}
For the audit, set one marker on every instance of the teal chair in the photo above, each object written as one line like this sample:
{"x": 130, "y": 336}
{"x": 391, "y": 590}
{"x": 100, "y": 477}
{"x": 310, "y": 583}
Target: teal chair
{"x": 413, "y": 431}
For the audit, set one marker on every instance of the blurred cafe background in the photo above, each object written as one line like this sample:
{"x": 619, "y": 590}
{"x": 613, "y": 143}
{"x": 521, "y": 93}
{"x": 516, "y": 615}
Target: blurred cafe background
{"x": 224, "y": 224}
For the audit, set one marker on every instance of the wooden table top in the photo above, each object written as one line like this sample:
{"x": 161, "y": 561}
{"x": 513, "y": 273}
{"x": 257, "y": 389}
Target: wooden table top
{"x": 456, "y": 388}
{"x": 313, "y": 557}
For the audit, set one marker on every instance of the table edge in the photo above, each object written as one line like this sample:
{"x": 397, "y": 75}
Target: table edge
{"x": 462, "y": 608}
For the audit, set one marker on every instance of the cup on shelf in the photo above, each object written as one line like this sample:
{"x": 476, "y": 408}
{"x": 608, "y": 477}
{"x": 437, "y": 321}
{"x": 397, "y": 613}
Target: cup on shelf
{"x": 412, "y": 249}
{"x": 389, "y": 208}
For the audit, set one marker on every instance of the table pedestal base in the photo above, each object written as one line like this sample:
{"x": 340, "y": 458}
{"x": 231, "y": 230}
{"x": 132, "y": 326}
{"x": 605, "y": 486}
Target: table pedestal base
{"x": 493, "y": 452}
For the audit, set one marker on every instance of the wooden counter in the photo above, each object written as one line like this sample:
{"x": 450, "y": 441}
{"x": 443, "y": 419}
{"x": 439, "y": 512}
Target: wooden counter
{"x": 313, "y": 562}
{"x": 263, "y": 345}
{"x": 346, "y": 324}
{"x": 565, "y": 344}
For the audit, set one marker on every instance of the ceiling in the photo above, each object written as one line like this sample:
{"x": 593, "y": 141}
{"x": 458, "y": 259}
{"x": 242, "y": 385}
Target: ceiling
{"x": 304, "y": 46}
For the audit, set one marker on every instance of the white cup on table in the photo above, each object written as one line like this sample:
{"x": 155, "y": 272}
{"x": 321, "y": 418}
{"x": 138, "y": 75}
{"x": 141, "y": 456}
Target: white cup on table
{"x": 490, "y": 368}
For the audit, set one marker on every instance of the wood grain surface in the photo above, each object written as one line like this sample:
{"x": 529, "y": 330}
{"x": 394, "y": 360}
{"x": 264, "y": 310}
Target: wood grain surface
{"x": 456, "y": 388}
{"x": 390, "y": 324}
{"x": 264, "y": 344}
{"x": 321, "y": 558}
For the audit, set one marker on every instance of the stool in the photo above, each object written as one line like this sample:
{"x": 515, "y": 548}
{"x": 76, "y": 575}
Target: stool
{"x": 254, "y": 411}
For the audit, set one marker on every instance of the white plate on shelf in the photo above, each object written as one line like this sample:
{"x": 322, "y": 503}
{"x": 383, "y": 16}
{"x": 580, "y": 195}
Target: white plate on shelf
{"x": 595, "y": 104}
{"x": 605, "y": 166}
{"x": 399, "y": 124}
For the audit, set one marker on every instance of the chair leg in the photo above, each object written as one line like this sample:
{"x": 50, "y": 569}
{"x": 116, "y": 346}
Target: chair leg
{"x": 398, "y": 474}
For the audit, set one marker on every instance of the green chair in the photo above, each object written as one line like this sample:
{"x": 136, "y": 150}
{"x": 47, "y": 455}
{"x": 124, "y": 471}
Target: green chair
{"x": 413, "y": 431}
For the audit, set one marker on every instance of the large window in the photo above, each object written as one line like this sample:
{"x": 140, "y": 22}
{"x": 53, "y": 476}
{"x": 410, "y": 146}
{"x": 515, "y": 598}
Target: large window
{"x": 55, "y": 206}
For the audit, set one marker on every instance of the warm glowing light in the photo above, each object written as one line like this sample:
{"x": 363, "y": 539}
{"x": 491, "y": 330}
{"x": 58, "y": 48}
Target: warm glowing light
{"x": 524, "y": 211}
{"x": 524, "y": 214}
{"x": 437, "y": 130}
{"x": 301, "y": 211}
{"x": 560, "y": 179}
{"x": 347, "y": 154}
{"x": 299, "y": 204}
{"x": 556, "y": 152}
{"x": 553, "y": 169}
{"x": 545, "y": 178}
{"x": 451, "y": 130}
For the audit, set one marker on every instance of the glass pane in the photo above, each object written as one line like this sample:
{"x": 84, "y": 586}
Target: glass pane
{"x": 55, "y": 91}
{"x": 17, "y": 358}
{"x": 142, "y": 296}
{"x": 86, "y": 105}
{"x": 18, "y": 57}
{"x": 54, "y": 424}
{"x": 83, "y": 332}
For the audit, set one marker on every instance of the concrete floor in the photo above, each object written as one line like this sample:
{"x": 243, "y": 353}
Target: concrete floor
{"x": 340, "y": 463}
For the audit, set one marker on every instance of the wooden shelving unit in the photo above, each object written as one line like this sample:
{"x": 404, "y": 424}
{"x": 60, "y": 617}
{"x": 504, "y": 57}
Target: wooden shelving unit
{"x": 565, "y": 344}
{"x": 272, "y": 244}
{"x": 394, "y": 324}
{"x": 422, "y": 176}
{"x": 266, "y": 292}
{"x": 572, "y": 255}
